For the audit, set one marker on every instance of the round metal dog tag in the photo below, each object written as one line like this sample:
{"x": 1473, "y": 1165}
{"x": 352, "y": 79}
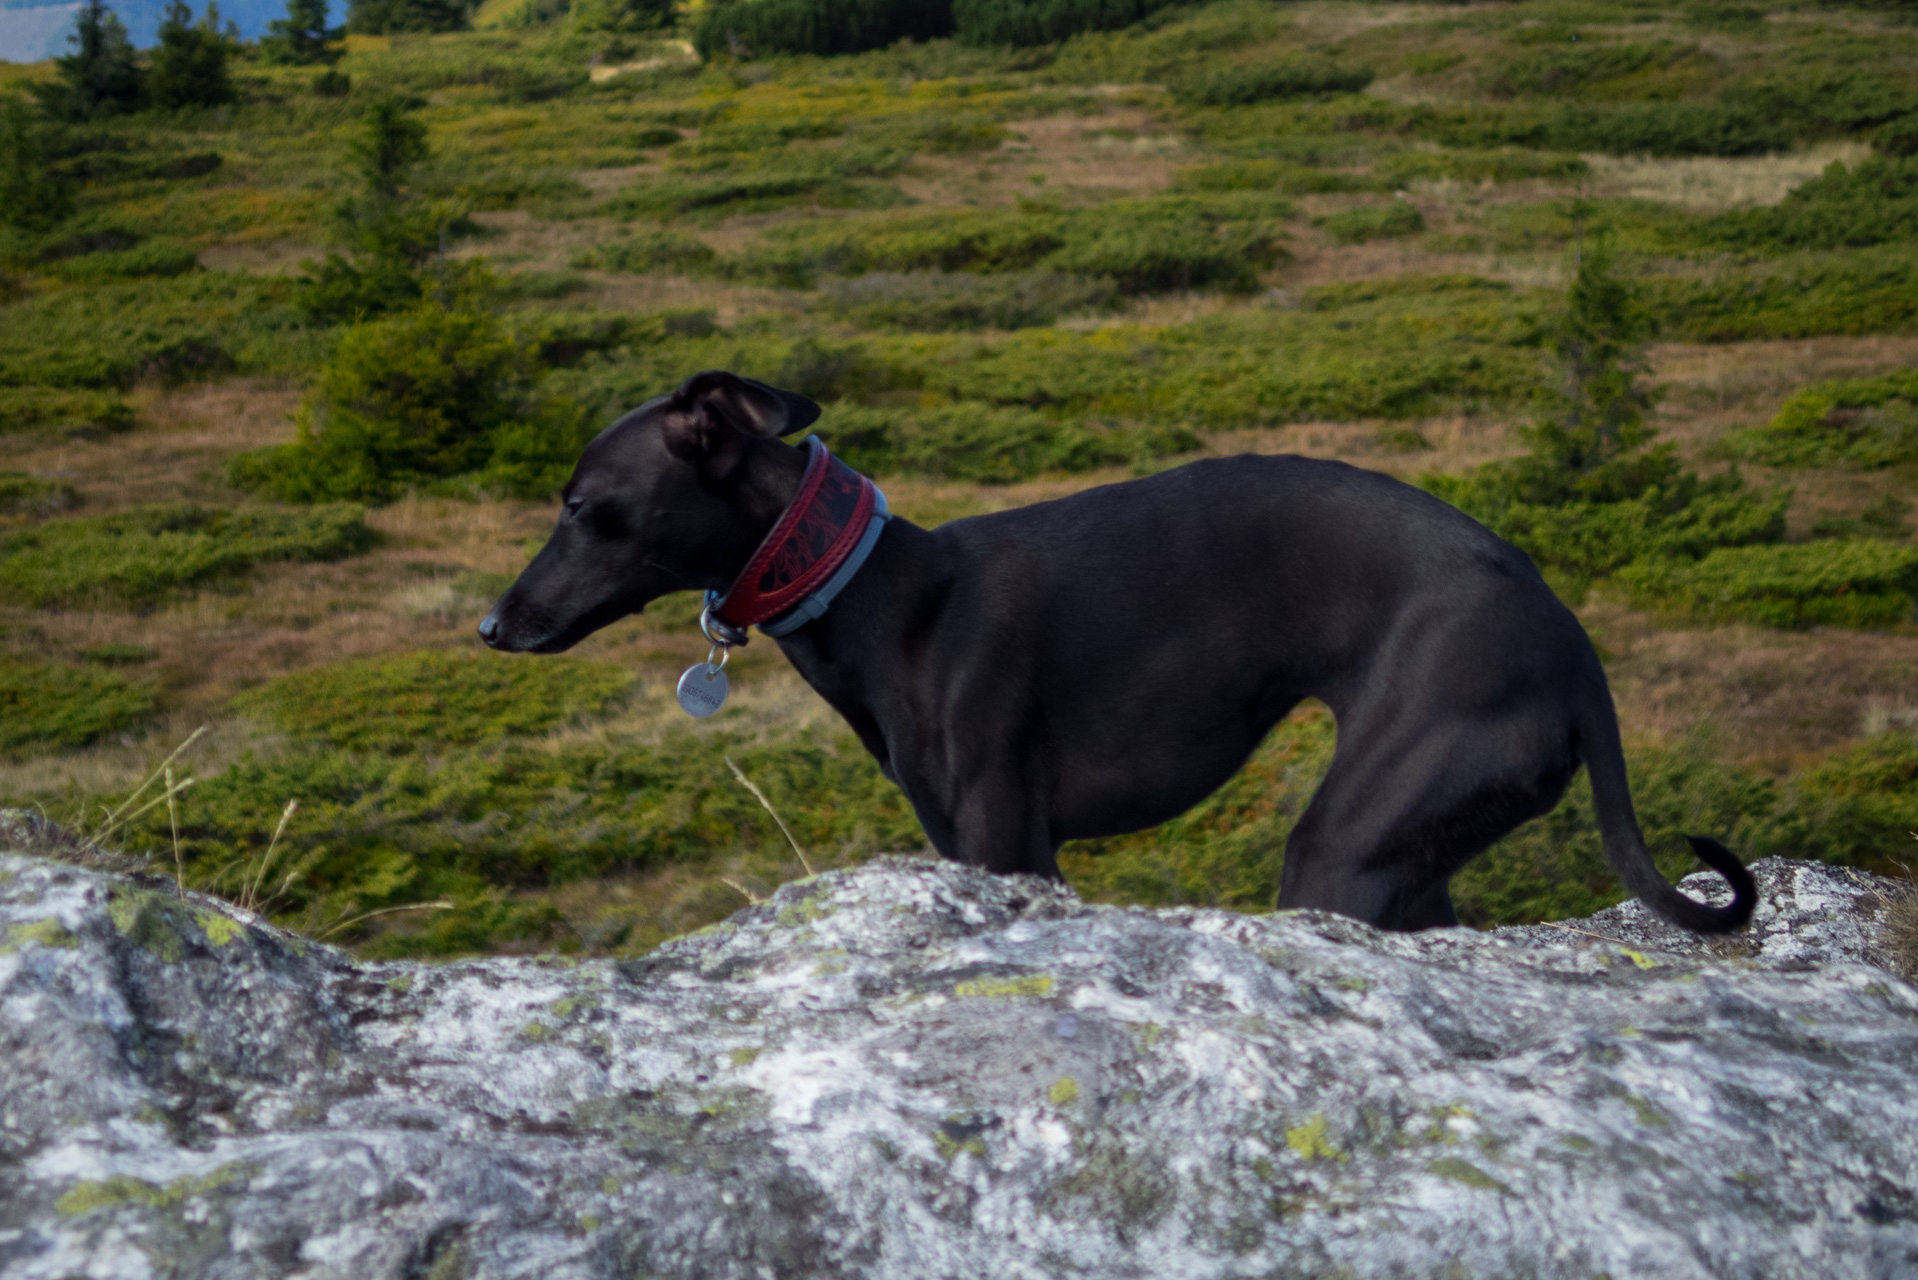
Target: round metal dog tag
{"x": 702, "y": 690}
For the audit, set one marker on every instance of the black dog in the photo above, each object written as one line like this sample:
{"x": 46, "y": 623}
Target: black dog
{"x": 1100, "y": 663}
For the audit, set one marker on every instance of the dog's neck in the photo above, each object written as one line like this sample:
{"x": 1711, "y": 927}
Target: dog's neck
{"x": 762, "y": 487}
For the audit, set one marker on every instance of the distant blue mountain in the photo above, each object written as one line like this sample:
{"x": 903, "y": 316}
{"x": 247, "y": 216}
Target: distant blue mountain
{"x": 33, "y": 29}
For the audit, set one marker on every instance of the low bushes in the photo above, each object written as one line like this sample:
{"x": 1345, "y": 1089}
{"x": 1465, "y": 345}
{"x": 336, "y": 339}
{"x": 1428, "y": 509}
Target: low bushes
{"x": 1853, "y": 582}
{"x": 426, "y": 396}
{"x": 938, "y": 301}
{"x": 70, "y": 412}
{"x": 1874, "y": 203}
{"x": 1374, "y": 222}
{"x": 1141, "y": 246}
{"x": 1620, "y": 128}
{"x": 145, "y": 555}
{"x": 47, "y": 706}
{"x": 1862, "y": 422}
{"x": 1861, "y": 291}
{"x": 1565, "y": 69}
{"x": 25, "y": 497}
{"x": 412, "y": 702}
{"x": 989, "y": 445}
{"x": 1243, "y": 85}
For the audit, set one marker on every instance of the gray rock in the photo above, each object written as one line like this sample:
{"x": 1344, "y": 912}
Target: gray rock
{"x": 915, "y": 1070}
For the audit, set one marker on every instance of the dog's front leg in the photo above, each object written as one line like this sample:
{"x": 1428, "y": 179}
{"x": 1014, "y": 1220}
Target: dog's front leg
{"x": 999, "y": 825}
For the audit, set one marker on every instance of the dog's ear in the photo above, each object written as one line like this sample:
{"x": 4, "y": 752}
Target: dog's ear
{"x": 746, "y": 405}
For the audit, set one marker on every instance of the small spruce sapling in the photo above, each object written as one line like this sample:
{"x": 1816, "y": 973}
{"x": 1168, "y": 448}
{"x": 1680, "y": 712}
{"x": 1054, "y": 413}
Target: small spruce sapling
{"x": 300, "y": 38}
{"x": 32, "y": 197}
{"x": 101, "y": 77}
{"x": 189, "y": 66}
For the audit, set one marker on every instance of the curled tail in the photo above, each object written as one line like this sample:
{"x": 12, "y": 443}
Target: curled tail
{"x": 1625, "y": 845}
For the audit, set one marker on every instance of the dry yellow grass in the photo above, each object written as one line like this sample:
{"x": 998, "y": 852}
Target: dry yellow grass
{"x": 1715, "y": 182}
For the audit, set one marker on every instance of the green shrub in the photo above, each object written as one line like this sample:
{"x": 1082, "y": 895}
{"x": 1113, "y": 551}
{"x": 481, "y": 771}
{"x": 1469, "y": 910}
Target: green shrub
{"x": 1281, "y": 176}
{"x": 842, "y": 178}
{"x": 988, "y": 445}
{"x": 149, "y": 259}
{"x": 1030, "y": 22}
{"x": 422, "y": 396}
{"x": 1243, "y": 85}
{"x": 69, "y": 412}
{"x": 761, "y": 27}
{"x": 165, "y": 330}
{"x": 937, "y": 301}
{"x": 1620, "y": 128}
{"x": 1862, "y": 291}
{"x": 1864, "y": 422}
{"x": 1374, "y": 222}
{"x": 667, "y": 252}
{"x": 45, "y": 706}
{"x": 1561, "y": 71}
{"x": 418, "y": 702}
{"x": 1842, "y": 583}
{"x": 1503, "y": 164}
{"x": 1898, "y": 139}
{"x": 1859, "y": 806}
{"x": 1142, "y": 246}
{"x": 25, "y": 496}
{"x": 1874, "y": 203}
{"x": 145, "y": 555}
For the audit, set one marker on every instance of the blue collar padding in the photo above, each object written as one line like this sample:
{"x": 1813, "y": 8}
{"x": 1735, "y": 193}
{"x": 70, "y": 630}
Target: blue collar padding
{"x": 816, "y": 604}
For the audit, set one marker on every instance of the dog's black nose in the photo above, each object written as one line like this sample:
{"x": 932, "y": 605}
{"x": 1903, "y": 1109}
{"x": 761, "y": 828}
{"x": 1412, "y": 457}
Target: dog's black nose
{"x": 489, "y": 629}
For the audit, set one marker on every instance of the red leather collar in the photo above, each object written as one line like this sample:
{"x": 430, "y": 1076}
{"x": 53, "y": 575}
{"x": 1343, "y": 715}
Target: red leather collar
{"x": 819, "y": 531}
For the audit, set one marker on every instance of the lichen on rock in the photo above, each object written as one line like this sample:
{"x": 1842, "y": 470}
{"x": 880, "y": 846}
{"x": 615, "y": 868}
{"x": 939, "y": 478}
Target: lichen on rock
{"x": 913, "y": 1069}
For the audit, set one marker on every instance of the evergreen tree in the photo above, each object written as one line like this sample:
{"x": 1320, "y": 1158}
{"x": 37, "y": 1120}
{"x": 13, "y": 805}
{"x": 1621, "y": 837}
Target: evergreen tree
{"x": 101, "y": 77}
{"x": 32, "y": 198}
{"x": 390, "y": 17}
{"x": 189, "y": 66}
{"x": 300, "y": 38}
{"x": 393, "y": 142}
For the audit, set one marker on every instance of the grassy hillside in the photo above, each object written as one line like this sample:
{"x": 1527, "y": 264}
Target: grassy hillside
{"x": 1346, "y": 229}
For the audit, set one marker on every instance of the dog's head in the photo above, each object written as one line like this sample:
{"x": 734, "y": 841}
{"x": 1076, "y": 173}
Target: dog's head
{"x": 666, "y": 499}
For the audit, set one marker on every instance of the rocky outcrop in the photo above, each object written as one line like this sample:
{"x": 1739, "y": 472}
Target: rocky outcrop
{"x": 914, "y": 1070}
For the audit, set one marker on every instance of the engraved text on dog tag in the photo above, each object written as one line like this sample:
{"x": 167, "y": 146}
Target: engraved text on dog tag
{"x": 702, "y": 689}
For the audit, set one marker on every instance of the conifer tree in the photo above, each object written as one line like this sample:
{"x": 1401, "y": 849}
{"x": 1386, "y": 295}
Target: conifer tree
{"x": 101, "y": 77}
{"x": 300, "y": 38}
{"x": 190, "y": 65}
{"x": 32, "y": 197}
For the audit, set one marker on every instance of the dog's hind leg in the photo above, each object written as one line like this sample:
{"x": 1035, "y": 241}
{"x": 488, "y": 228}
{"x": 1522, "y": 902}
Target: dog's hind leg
{"x": 1400, "y": 811}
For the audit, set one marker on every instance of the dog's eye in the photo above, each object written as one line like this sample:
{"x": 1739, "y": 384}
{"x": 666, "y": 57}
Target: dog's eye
{"x": 573, "y": 505}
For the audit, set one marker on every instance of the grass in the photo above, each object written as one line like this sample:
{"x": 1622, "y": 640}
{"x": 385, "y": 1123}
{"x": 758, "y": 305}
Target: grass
{"x": 422, "y": 701}
{"x": 1008, "y": 272}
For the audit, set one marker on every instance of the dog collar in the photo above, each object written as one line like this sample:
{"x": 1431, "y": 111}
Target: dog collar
{"x": 812, "y": 552}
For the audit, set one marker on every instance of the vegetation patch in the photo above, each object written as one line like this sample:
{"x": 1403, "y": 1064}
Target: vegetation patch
{"x": 1859, "y": 422}
{"x": 431, "y": 394}
{"x": 1850, "y": 582}
{"x": 1243, "y": 85}
{"x": 1374, "y": 222}
{"x": 150, "y": 553}
{"x": 1874, "y": 203}
{"x": 47, "y": 706}
{"x": 411, "y": 701}
{"x": 990, "y": 445}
